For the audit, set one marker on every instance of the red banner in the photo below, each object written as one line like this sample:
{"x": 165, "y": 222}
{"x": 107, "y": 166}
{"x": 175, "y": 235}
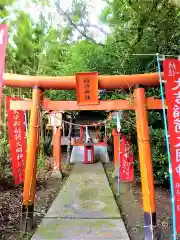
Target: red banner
{"x": 172, "y": 88}
{"x": 3, "y": 44}
{"x": 17, "y": 141}
{"x": 126, "y": 161}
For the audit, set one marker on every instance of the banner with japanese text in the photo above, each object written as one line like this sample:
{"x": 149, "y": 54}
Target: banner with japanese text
{"x": 126, "y": 161}
{"x": 172, "y": 90}
{"x": 17, "y": 140}
{"x": 3, "y": 44}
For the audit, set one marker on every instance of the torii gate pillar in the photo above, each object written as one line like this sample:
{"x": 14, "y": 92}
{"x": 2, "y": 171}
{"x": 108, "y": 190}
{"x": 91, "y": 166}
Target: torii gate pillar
{"x": 145, "y": 159}
{"x": 31, "y": 160}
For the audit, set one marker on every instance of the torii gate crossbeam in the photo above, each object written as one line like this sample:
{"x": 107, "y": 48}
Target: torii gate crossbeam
{"x": 69, "y": 82}
{"x": 140, "y": 104}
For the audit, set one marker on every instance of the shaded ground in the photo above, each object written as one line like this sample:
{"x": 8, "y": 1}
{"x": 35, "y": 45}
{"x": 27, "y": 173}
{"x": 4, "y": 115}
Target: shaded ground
{"x": 129, "y": 203}
{"x": 48, "y": 187}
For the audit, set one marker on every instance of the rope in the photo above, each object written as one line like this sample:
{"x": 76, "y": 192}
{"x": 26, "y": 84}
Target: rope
{"x": 79, "y": 125}
{"x": 85, "y": 125}
{"x": 168, "y": 152}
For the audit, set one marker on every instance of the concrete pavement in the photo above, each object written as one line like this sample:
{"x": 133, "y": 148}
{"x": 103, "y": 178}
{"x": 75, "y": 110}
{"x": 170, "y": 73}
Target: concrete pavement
{"x": 85, "y": 209}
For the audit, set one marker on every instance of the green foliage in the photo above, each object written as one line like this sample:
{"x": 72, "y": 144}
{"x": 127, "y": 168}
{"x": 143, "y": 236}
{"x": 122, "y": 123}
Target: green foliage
{"x": 62, "y": 95}
{"x": 3, "y": 7}
{"x": 160, "y": 161}
{"x": 5, "y": 165}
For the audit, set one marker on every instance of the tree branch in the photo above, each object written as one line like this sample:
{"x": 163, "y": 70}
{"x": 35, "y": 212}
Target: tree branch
{"x": 61, "y": 11}
{"x": 94, "y": 26}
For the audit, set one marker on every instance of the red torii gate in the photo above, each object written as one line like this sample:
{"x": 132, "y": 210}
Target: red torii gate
{"x": 139, "y": 103}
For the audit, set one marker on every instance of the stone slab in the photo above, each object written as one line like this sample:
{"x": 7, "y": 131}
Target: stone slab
{"x": 86, "y": 194}
{"x": 80, "y": 229}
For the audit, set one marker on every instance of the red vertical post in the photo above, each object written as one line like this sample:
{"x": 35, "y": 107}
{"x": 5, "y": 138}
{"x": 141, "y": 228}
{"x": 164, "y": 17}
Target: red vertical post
{"x": 57, "y": 153}
{"x": 81, "y": 133}
{"x": 97, "y": 132}
{"x": 116, "y": 137}
{"x": 57, "y": 150}
{"x": 88, "y": 149}
{"x": 54, "y": 145}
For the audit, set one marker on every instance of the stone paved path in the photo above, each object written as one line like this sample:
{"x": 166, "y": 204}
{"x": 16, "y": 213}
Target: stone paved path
{"x": 85, "y": 209}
